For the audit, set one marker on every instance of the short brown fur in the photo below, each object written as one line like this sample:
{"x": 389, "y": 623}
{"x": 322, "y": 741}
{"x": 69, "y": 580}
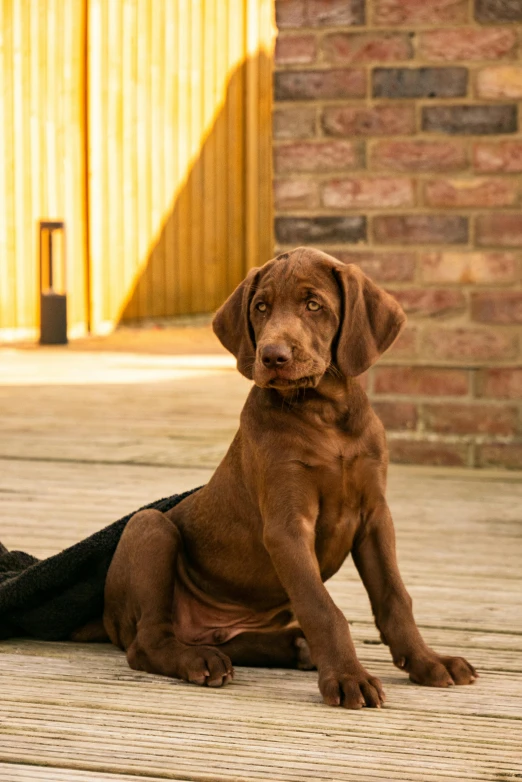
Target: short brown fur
{"x": 302, "y": 486}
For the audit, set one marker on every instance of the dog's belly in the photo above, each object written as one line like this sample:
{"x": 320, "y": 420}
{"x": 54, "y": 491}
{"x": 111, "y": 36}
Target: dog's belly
{"x": 198, "y": 618}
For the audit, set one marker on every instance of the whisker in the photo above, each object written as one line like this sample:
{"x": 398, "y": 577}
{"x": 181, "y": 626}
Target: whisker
{"x": 334, "y": 371}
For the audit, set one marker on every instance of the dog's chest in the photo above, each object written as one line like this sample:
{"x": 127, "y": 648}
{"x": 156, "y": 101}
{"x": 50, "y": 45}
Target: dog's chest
{"x": 340, "y": 479}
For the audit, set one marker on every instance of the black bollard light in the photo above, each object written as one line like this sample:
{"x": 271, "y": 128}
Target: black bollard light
{"x": 53, "y": 299}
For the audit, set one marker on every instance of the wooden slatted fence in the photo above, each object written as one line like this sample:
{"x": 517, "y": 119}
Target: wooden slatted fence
{"x": 146, "y": 127}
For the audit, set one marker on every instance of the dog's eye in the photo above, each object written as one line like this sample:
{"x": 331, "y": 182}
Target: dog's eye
{"x": 261, "y": 306}
{"x": 313, "y": 305}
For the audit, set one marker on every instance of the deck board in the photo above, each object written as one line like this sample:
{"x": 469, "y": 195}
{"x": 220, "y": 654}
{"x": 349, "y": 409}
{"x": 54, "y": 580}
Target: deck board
{"x": 87, "y": 437}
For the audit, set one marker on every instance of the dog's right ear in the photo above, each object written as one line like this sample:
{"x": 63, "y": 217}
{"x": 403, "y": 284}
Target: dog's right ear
{"x": 371, "y": 322}
{"x": 232, "y": 325}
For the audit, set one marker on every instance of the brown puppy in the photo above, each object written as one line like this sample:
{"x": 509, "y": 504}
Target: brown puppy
{"x": 235, "y": 572}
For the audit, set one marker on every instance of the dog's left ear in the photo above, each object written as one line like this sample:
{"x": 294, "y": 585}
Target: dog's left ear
{"x": 371, "y": 321}
{"x": 232, "y": 325}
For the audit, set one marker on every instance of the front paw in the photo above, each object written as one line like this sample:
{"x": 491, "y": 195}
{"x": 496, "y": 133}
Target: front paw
{"x": 435, "y": 670}
{"x": 351, "y": 690}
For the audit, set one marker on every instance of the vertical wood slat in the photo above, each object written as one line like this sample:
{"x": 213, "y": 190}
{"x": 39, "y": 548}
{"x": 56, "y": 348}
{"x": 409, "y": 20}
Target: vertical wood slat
{"x": 141, "y": 151}
{"x": 8, "y": 312}
{"x": 179, "y": 257}
{"x": 222, "y": 157}
{"x": 20, "y": 182}
{"x": 128, "y": 227}
{"x": 95, "y": 172}
{"x": 171, "y": 91}
{"x": 194, "y": 174}
{"x": 265, "y": 240}
{"x": 235, "y": 131}
{"x": 210, "y": 78}
{"x": 5, "y": 315}
{"x": 112, "y": 56}
{"x": 159, "y": 197}
{"x": 178, "y": 145}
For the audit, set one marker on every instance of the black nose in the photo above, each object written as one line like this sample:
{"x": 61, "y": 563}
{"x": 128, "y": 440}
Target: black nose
{"x": 275, "y": 356}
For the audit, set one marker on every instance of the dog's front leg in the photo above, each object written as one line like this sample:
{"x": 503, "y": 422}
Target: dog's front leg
{"x": 375, "y": 558}
{"x": 342, "y": 680}
{"x": 139, "y": 595}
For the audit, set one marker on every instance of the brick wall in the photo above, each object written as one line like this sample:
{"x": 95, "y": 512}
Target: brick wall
{"x": 398, "y": 146}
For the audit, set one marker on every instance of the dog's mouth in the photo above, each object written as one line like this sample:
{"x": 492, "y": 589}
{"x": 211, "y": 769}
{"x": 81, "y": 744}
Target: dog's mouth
{"x": 286, "y": 379}
{"x": 283, "y": 383}
{"x": 299, "y": 374}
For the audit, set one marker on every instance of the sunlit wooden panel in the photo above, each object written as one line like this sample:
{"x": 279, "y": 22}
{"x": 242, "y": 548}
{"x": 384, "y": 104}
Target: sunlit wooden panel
{"x": 145, "y": 127}
{"x": 179, "y": 151}
{"x": 41, "y": 153}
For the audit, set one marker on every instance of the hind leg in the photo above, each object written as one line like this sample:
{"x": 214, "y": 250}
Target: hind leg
{"x": 277, "y": 649}
{"x": 139, "y": 601}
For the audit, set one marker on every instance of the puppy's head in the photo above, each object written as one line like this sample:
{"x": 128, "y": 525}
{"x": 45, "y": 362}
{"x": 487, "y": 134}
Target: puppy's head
{"x": 303, "y": 312}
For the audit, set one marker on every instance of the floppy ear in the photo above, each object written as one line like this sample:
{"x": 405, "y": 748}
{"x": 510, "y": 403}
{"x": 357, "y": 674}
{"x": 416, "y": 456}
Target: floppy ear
{"x": 232, "y": 325}
{"x": 371, "y": 321}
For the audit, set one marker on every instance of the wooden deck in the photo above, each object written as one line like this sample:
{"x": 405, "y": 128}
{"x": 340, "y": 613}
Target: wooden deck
{"x": 86, "y": 437}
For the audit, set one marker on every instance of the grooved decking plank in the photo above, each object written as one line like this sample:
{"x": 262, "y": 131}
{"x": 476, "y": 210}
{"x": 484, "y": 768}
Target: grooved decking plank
{"x": 77, "y": 713}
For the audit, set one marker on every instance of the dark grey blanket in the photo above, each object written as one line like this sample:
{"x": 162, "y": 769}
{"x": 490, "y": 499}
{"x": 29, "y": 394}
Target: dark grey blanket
{"x": 50, "y": 598}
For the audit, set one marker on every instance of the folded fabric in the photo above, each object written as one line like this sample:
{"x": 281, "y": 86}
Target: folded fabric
{"x": 50, "y": 598}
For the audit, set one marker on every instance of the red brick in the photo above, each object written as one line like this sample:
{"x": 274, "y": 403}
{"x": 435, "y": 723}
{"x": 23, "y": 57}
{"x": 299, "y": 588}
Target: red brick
{"x": 497, "y": 307}
{"x": 487, "y": 11}
{"x": 468, "y": 345}
{"x": 419, "y": 82}
{"x": 413, "y": 12}
{"x": 476, "y": 119}
{"x": 507, "y": 455}
{"x": 396, "y": 415}
{"x": 361, "y": 193}
{"x": 404, "y": 347}
{"x": 466, "y": 268}
{"x": 366, "y": 121}
{"x": 420, "y": 229}
{"x": 502, "y": 81}
{"x": 320, "y": 230}
{"x": 429, "y": 301}
{"x": 419, "y": 155}
{"x": 295, "y": 194}
{"x": 291, "y": 49}
{"x": 313, "y": 85}
{"x": 468, "y": 43}
{"x": 425, "y": 452}
{"x": 471, "y": 192}
{"x": 470, "y": 419}
{"x": 504, "y": 157}
{"x": 421, "y": 381}
{"x": 295, "y": 122}
{"x": 318, "y": 157}
{"x": 348, "y": 48}
{"x": 382, "y": 266}
{"x": 290, "y": 13}
{"x": 335, "y": 13}
{"x": 500, "y": 383}
{"x": 504, "y": 230}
